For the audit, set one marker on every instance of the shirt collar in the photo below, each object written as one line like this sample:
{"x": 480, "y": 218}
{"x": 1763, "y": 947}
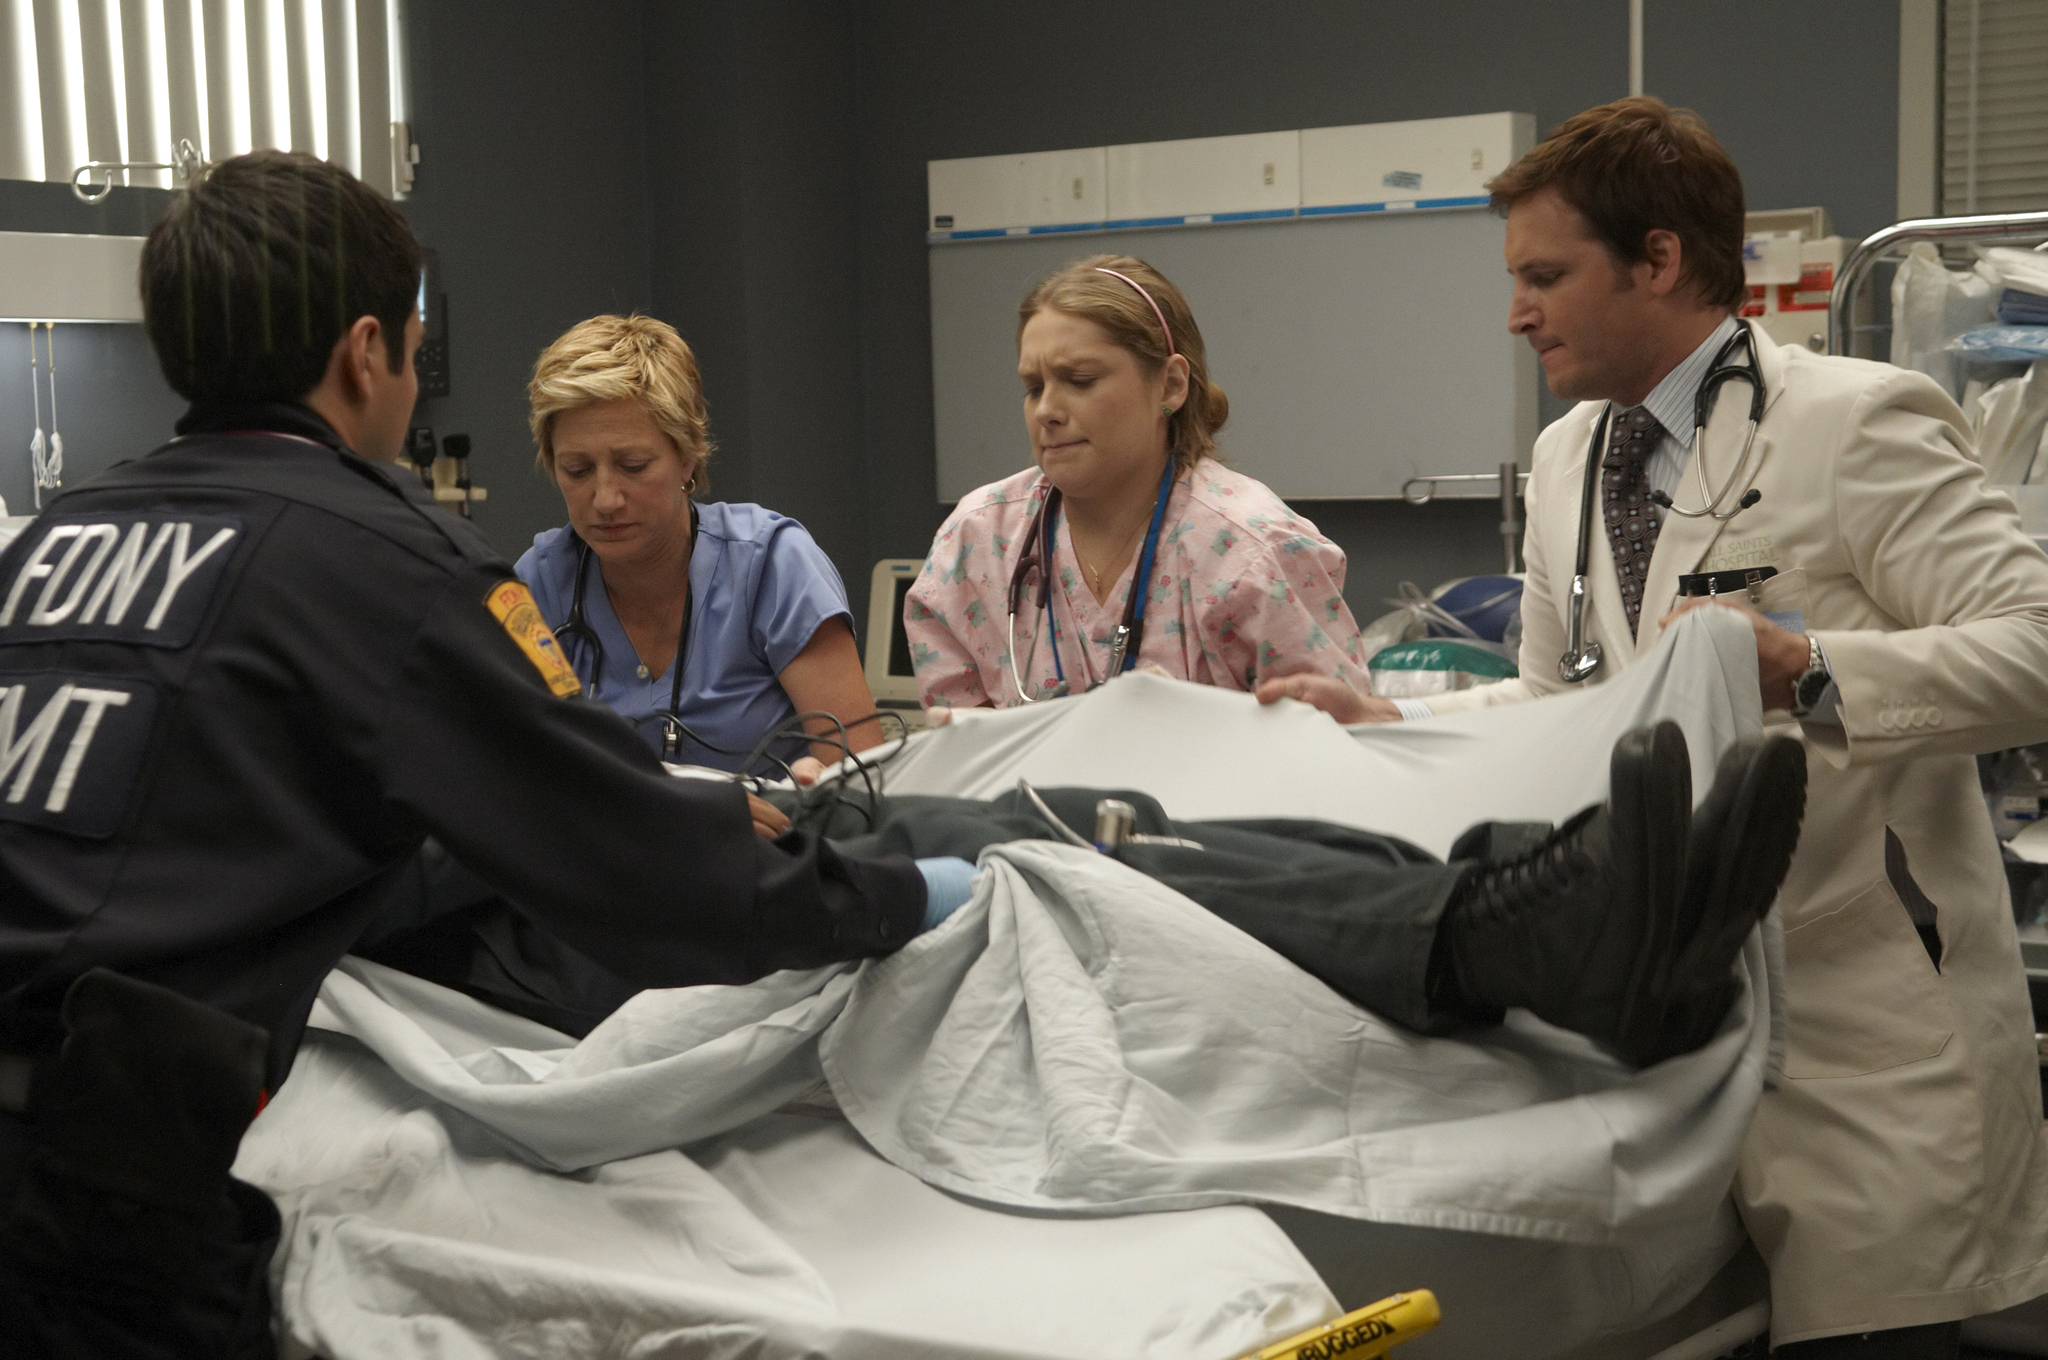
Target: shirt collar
{"x": 276, "y": 417}
{"x": 1671, "y": 401}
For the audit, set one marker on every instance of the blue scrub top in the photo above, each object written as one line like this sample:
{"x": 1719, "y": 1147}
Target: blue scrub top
{"x": 761, "y": 587}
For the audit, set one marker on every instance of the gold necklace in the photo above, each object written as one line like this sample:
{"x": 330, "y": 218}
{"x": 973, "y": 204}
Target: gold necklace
{"x": 1094, "y": 574}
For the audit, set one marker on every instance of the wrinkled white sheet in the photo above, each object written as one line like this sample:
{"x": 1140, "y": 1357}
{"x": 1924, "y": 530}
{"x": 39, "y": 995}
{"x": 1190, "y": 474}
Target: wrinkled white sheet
{"x": 412, "y": 1231}
{"x": 1208, "y": 753}
{"x": 1078, "y": 1039}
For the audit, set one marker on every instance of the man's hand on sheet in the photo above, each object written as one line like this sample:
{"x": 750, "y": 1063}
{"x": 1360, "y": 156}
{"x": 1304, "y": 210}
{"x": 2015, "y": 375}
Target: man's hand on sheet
{"x": 769, "y": 822}
{"x": 1781, "y": 655}
{"x": 1332, "y": 696}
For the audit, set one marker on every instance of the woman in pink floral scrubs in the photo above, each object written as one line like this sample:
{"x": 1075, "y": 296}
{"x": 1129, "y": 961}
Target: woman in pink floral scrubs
{"x": 1116, "y": 389}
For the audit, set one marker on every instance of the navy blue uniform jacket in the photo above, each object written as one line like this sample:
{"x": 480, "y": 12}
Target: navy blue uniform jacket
{"x": 243, "y": 677}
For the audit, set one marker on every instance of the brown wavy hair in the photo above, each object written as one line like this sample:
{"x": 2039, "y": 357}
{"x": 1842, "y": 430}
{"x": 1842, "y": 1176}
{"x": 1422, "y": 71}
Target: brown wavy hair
{"x": 1080, "y": 289}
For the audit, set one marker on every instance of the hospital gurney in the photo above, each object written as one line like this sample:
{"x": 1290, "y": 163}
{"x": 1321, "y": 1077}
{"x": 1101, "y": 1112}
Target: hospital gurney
{"x": 416, "y": 1222}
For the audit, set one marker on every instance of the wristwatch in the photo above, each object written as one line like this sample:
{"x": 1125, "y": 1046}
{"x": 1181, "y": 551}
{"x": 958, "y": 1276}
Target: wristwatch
{"x": 1813, "y": 681}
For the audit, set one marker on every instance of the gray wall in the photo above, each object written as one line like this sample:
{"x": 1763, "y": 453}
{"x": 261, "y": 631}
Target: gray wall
{"x": 753, "y": 170}
{"x": 755, "y": 163}
{"x": 973, "y": 80}
{"x": 533, "y": 185}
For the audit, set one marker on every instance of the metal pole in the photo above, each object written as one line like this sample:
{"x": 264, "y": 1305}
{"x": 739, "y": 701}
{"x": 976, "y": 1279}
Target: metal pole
{"x": 1635, "y": 46}
{"x": 1510, "y": 523}
{"x": 1855, "y": 270}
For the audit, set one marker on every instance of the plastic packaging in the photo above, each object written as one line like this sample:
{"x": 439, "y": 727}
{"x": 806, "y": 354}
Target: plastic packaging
{"x": 1930, "y": 304}
{"x": 1415, "y": 670}
{"x": 2021, "y": 344}
{"x": 2009, "y": 420}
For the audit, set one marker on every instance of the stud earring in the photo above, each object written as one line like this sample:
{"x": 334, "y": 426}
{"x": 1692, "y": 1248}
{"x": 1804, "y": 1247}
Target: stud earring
{"x": 1166, "y": 411}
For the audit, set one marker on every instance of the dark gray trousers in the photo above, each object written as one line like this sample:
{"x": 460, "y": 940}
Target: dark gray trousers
{"x": 1357, "y": 910}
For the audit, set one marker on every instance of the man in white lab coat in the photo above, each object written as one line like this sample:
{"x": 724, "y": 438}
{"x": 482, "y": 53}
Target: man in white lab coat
{"x": 1896, "y": 1180}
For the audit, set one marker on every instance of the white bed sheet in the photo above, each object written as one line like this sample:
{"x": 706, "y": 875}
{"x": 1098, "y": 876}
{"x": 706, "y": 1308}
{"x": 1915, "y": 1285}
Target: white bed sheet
{"x": 414, "y": 1232}
{"x": 1041, "y": 1051}
{"x": 1210, "y": 753}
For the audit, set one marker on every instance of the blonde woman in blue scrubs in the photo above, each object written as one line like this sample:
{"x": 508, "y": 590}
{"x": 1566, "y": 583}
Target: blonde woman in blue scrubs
{"x": 706, "y": 624}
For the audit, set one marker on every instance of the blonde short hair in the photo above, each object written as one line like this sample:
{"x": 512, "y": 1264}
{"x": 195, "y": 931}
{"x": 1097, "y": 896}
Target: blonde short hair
{"x": 622, "y": 358}
{"x": 1083, "y": 289}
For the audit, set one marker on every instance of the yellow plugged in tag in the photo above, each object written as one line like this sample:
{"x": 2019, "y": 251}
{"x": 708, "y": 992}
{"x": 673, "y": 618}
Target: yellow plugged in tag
{"x": 1371, "y": 1331}
{"x": 511, "y": 603}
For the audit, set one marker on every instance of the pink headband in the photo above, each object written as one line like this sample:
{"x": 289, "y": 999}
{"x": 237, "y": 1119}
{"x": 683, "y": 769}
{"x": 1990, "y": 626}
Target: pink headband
{"x": 1164, "y": 328}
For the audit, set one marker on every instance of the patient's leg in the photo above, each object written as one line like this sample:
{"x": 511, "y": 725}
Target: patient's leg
{"x": 1597, "y": 926}
{"x": 1622, "y": 925}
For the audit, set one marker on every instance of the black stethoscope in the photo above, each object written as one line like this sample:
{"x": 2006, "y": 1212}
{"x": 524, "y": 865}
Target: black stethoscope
{"x": 1581, "y": 658}
{"x": 577, "y": 628}
{"x": 1037, "y": 556}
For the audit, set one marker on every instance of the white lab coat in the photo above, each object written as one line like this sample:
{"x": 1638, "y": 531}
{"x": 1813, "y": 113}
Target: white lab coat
{"x": 1898, "y": 1175}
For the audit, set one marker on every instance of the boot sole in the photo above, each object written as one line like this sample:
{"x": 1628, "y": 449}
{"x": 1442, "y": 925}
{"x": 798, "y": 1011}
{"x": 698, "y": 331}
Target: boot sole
{"x": 1650, "y": 809}
{"x": 1742, "y": 864}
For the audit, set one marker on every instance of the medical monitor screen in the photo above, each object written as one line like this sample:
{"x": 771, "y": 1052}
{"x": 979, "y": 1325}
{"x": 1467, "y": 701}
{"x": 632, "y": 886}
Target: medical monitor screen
{"x": 899, "y": 644}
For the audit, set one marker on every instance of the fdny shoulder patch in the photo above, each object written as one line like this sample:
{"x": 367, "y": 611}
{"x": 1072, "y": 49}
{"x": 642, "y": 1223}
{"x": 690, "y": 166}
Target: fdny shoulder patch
{"x": 71, "y": 747}
{"x": 511, "y": 603}
{"x": 137, "y": 578}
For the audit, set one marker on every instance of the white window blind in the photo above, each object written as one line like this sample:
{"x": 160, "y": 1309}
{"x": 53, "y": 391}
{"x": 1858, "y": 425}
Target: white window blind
{"x": 1994, "y": 129}
{"x": 126, "y": 80}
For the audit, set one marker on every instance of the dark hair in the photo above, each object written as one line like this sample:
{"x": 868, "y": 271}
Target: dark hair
{"x": 1636, "y": 166}
{"x": 258, "y": 269}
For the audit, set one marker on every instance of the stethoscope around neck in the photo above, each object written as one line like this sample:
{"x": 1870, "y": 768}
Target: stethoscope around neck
{"x": 1582, "y": 657}
{"x": 1036, "y": 554}
{"x": 577, "y": 628}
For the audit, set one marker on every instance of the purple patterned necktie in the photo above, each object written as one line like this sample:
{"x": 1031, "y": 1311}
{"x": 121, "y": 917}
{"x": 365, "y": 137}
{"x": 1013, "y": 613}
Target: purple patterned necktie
{"x": 1625, "y": 503}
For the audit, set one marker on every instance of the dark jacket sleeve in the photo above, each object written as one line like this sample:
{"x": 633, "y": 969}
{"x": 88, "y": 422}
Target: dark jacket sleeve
{"x": 558, "y": 805}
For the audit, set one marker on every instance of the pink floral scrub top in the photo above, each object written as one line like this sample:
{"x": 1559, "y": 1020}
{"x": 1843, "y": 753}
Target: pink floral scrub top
{"x": 1242, "y": 589}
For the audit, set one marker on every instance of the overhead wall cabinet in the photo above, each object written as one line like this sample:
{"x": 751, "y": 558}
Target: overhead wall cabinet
{"x": 45, "y": 276}
{"x": 1348, "y": 282}
{"x": 125, "y": 81}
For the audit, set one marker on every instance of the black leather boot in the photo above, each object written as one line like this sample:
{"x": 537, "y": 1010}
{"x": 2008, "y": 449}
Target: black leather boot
{"x": 1624, "y": 923}
{"x": 1741, "y": 846}
{"x": 1575, "y": 928}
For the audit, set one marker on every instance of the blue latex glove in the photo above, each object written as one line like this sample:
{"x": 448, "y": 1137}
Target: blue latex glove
{"x": 948, "y": 883}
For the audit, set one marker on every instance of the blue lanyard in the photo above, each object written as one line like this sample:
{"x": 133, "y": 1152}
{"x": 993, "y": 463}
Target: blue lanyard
{"x": 1132, "y": 629}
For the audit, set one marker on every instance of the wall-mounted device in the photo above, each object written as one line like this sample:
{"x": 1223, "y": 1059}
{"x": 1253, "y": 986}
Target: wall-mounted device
{"x": 456, "y": 448}
{"x": 431, "y": 361}
{"x": 421, "y": 452}
{"x": 443, "y": 466}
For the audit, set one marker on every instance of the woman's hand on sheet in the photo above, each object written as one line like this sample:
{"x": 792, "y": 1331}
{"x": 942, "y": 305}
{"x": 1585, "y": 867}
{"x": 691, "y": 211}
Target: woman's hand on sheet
{"x": 1332, "y": 696}
{"x": 806, "y": 769}
{"x": 938, "y": 715}
{"x": 769, "y": 821}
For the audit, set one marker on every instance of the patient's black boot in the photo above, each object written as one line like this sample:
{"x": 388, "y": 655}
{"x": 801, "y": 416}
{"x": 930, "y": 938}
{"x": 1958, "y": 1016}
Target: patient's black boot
{"x": 1741, "y": 846}
{"x": 1580, "y": 928}
{"x": 1624, "y": 923}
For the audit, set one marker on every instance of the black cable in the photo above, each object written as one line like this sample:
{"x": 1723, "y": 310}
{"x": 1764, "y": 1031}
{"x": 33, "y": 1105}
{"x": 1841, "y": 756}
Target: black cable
{"x": 833, "y": 795}
{"x": 815, "y": 799}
